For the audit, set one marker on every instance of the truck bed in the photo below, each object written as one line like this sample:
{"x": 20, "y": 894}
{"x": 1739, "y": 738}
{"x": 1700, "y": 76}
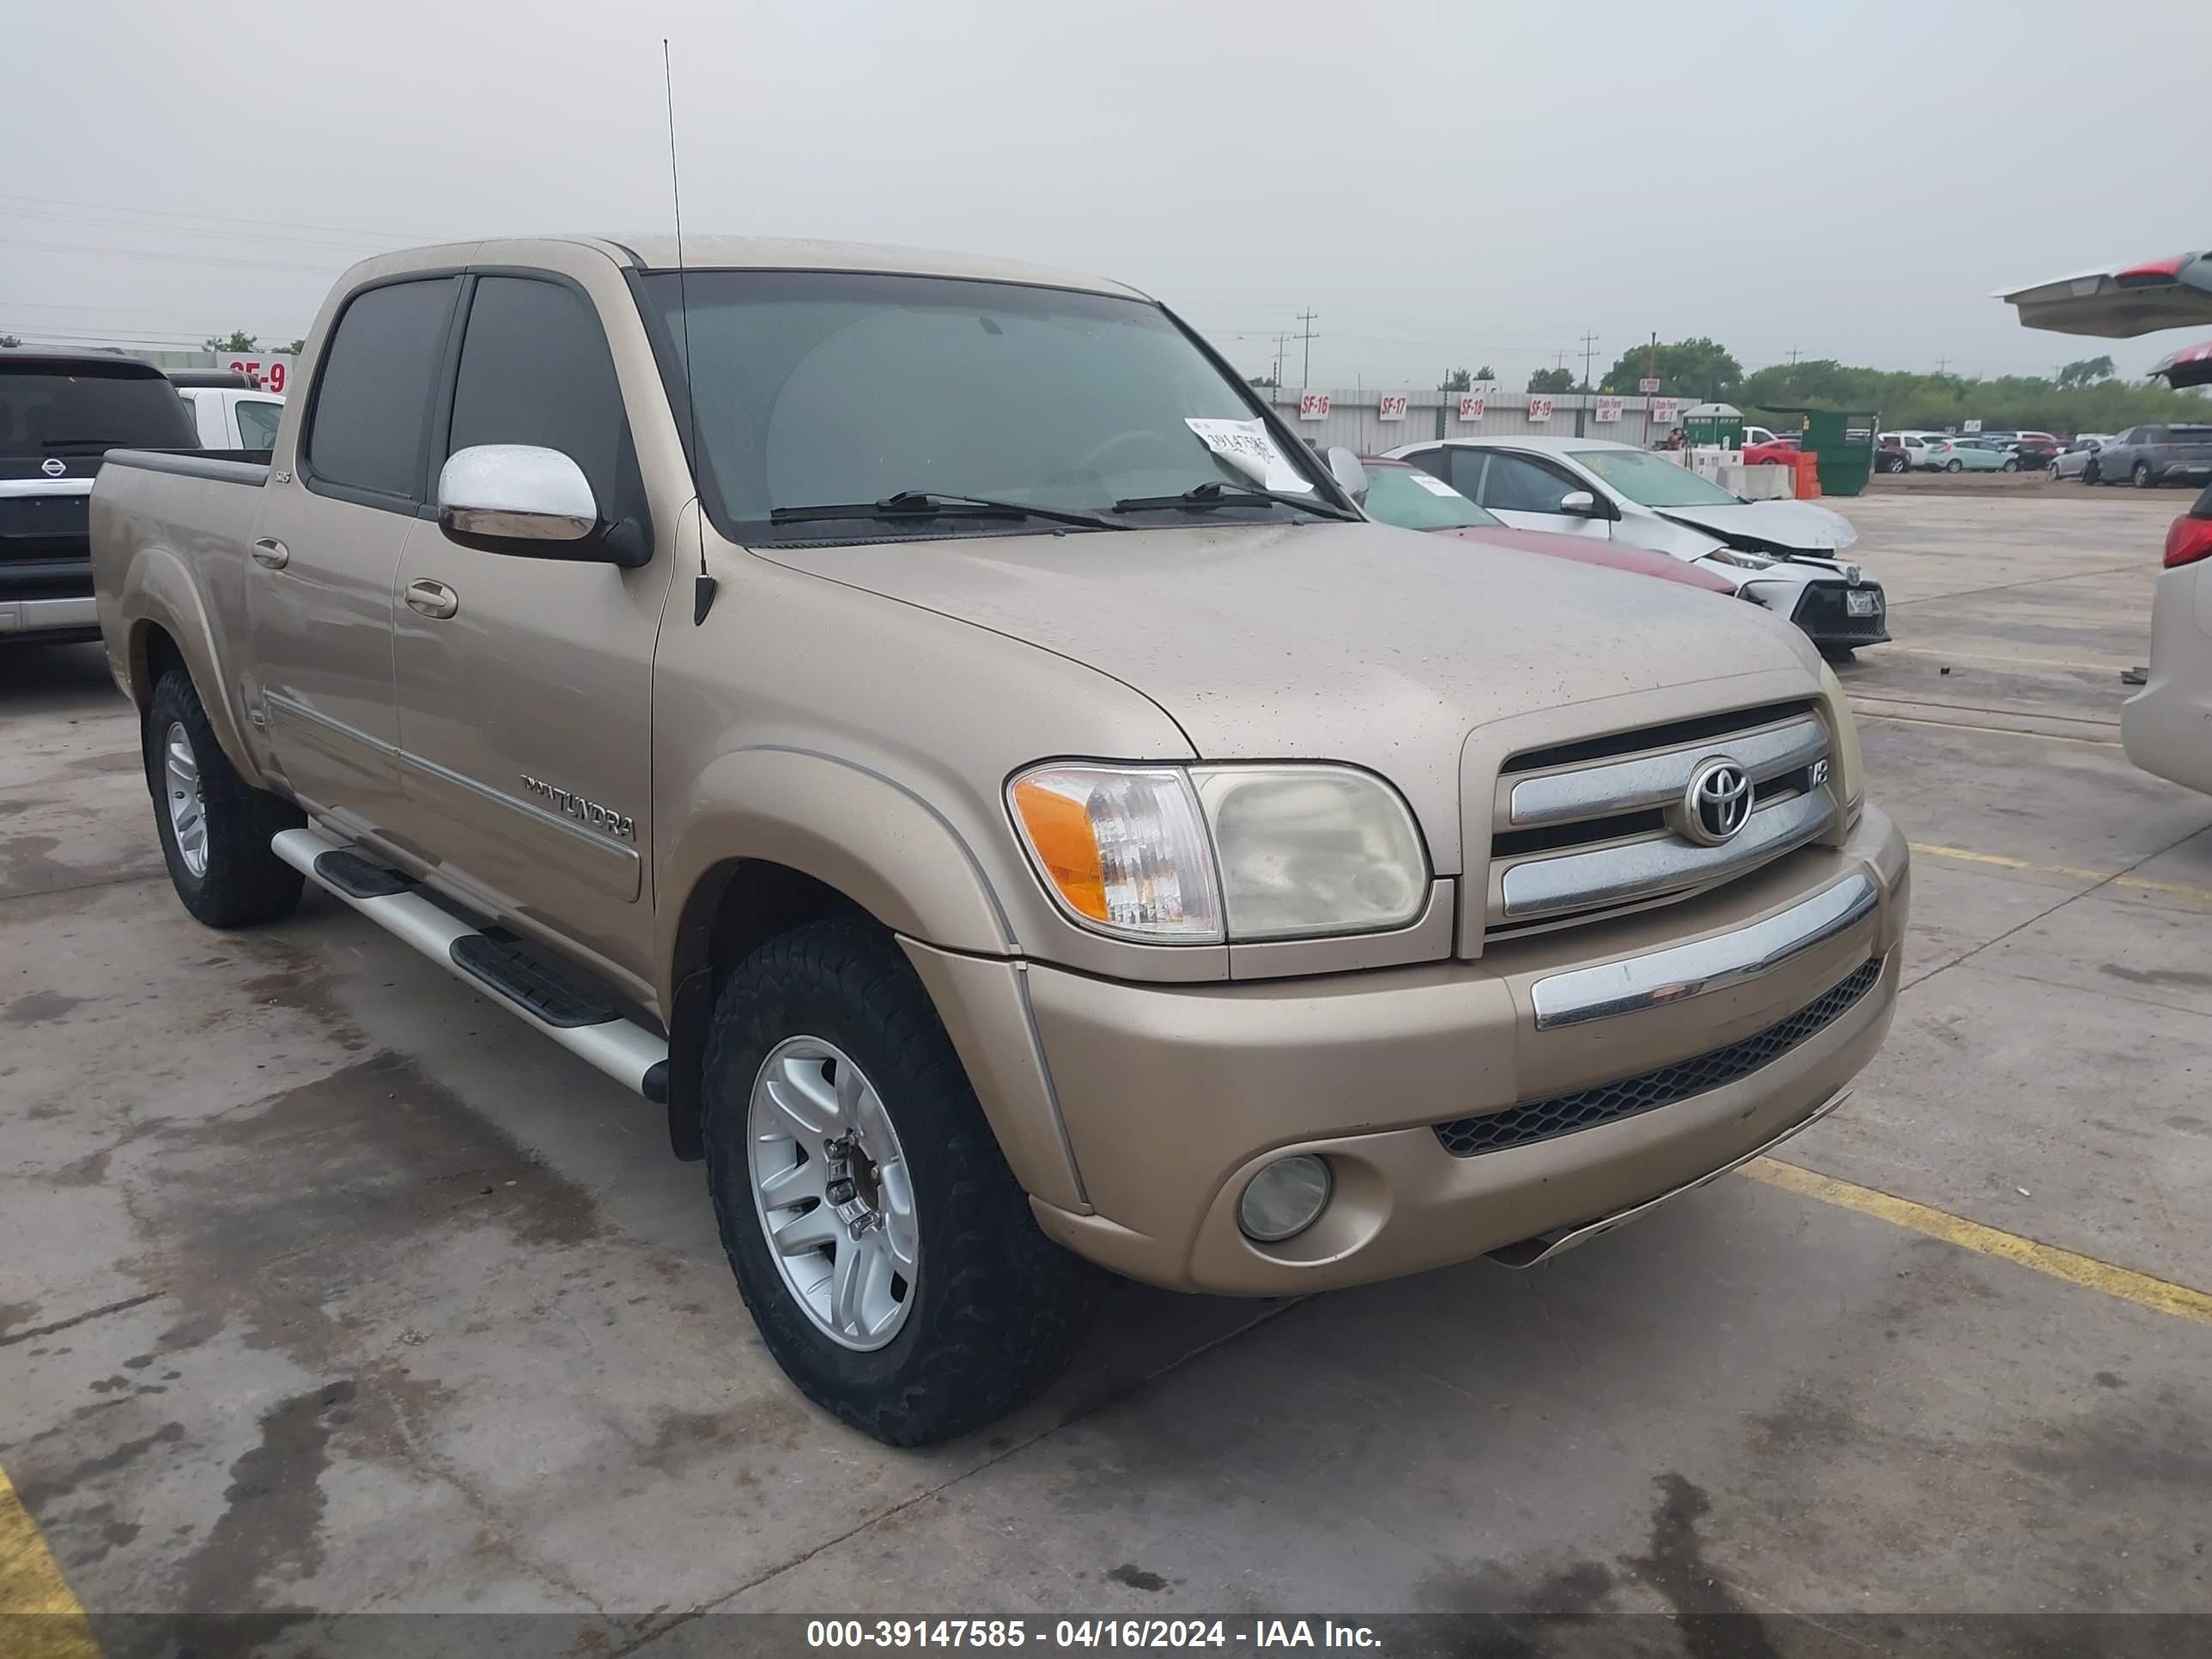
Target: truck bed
{"x": 154, "y": 508}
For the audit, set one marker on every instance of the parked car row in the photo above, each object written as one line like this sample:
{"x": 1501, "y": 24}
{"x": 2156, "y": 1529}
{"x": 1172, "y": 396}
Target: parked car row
{"x": 1970, "y": 451}
{"x": 2144, "y": 456}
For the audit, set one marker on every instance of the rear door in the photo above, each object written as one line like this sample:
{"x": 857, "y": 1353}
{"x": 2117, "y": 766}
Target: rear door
{"x": 526, "y": 710}
{"x": 341, "y": 501}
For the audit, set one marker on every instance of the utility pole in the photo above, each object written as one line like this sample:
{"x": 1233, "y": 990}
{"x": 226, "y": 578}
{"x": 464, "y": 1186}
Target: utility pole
{"x": 1306, "y": 318}
{"x": 1589, "y": 342}
{"x": 1793, "y": 356}
{"x": 1282, "y": 350}
{"x": 1942, "y": 364}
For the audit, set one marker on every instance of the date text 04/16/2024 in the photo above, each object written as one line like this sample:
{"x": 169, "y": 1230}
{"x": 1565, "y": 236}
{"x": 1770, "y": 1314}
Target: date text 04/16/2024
{"x": 954, "y": 1633}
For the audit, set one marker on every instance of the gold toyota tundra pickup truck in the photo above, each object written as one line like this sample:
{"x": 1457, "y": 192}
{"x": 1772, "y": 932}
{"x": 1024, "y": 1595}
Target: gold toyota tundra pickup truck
{"x": 922, "y": 723}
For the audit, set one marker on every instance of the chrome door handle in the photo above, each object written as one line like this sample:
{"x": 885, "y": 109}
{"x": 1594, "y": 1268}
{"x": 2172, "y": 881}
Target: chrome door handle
{"x": 432, "y": 599}
{"x": 272, "y": 553}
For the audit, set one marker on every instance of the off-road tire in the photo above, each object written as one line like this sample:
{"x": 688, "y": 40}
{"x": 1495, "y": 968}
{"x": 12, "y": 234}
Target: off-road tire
{"x": 998, "y": 1308}
{"x": 245, "y": 883}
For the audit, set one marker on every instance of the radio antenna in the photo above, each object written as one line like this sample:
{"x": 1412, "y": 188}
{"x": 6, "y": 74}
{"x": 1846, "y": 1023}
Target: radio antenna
{"x": 702, "y": 589}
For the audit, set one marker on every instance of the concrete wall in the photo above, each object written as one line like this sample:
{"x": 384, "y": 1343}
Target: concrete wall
{"x": 1353, "y": 421}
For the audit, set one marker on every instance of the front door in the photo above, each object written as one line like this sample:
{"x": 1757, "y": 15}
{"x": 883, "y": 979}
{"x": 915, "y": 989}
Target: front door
{"x": 340, "y": 504}
{"x": 525, "y": 685}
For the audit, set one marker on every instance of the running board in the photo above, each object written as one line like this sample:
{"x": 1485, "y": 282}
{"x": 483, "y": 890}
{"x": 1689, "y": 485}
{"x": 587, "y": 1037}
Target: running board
{"x": 623, "y": 1049}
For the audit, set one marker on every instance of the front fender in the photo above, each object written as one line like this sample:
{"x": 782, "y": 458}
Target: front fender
{"x": 159, "y": 592}
{"x": 867, "y": 836}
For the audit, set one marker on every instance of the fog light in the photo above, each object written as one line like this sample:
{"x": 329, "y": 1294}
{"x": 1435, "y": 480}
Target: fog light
{"x": 1283, "y": 1200}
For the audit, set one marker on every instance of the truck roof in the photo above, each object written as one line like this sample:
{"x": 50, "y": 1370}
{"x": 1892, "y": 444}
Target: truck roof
{"x": 66, "y": 357}
{"x": 710, "y": 253}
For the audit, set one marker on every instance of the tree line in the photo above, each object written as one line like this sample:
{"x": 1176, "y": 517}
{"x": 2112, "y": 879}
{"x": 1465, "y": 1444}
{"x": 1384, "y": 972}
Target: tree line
{"x": 2084, "y": 396}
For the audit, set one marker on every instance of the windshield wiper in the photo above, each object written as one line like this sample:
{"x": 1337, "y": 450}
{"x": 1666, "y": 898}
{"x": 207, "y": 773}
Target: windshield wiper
{"x": 1208, "y": 495}
{"x": 936, "y": 503}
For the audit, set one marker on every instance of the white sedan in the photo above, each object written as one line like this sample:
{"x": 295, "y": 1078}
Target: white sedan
{"x": 1781, "y": 554}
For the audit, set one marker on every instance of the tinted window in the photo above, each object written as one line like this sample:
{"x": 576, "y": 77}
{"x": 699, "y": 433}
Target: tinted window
{"x": 1515, "y": 484}
{"x": 373, "y": 393}
{"x": 1460, "y": 468}
{"x": 257, "y": 424}
{"x": 61, "y": 408}
{"x": 535, "y": 369}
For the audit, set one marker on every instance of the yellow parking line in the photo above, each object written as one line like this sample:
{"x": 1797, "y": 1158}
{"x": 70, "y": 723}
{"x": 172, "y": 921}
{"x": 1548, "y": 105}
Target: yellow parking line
{"x": 40, "y": 1618}
{"x": 2161, "y": 1296}
{"x": 2144, "y": 883}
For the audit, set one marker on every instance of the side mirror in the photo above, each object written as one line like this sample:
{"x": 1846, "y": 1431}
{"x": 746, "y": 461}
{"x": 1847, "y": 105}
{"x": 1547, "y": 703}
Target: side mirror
{"x": 1351, "y": 477}
{"x": 1581, "y": 503}
{"x": 530, "y": 501}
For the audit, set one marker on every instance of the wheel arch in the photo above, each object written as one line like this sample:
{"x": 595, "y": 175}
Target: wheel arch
{"x": 168, "y": 626}
{"x": 773, "y": 838}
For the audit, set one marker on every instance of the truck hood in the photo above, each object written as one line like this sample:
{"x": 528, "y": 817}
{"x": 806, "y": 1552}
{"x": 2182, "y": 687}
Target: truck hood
{"x": 1356, "y": 643}
{"x": 1769, "y": 526}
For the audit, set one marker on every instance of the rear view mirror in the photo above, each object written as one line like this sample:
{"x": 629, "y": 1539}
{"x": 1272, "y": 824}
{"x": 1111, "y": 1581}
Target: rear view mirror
{"x": 1580, "y": 503}
{"x": 523, "y": 500}
{"x": 1351, "y": 477}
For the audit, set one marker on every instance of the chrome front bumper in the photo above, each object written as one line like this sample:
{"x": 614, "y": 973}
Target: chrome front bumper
{"x": 1682, "y": 971}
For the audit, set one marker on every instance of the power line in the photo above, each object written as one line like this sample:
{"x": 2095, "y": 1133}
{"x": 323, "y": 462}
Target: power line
{"x": 175, "y": 213}
{"x": 173, "y": 259}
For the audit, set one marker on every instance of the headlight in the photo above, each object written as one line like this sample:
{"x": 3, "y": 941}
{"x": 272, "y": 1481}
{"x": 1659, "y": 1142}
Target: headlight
{"x": 1217, "y": 853}
{"x": 1312, "y": 849}
{"x": 1741, "y": 560}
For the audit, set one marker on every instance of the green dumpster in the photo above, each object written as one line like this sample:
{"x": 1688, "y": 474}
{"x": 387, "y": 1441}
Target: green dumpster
{"x": 1843, "y": 443}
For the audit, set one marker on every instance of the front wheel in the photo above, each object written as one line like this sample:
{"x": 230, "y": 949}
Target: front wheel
{"x": 885, "y": 1250}
{"x": 215, "y": 826}
{"x": 2141, "y": 476}
{"x": 2010, "y": 466}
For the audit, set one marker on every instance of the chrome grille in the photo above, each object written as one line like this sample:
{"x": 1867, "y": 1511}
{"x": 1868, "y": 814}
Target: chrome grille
{"x": 1583, "y": 831}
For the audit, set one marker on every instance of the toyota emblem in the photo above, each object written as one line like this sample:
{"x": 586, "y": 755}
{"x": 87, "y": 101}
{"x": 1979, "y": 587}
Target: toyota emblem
{"x": 1716, "y": 805}
{"x": 53, "y": 467}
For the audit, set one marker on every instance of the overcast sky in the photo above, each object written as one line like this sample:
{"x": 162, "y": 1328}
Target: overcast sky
{"x": 1448, "y": 185}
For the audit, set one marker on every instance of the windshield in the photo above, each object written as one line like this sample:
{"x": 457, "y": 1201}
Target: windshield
{"x": 1413, "y": 500}
{"x": 1652, "y": 480}
{"x": 50, "y": 408}
{"x": 823, "y": 387}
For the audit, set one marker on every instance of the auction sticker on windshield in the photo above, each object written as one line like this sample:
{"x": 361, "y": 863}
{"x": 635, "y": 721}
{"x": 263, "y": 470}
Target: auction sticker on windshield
{"x": 1246, "y": 446}
{"x": 1433, "y": 486}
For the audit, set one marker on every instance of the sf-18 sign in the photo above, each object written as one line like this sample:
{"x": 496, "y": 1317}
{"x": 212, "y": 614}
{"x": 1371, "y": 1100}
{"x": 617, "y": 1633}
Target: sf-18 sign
{"x": 1313, "y": 406}
{"x": 271, "y": 370}
{"x": 1471, "y": 406}
{"x": 1390, "y": 406}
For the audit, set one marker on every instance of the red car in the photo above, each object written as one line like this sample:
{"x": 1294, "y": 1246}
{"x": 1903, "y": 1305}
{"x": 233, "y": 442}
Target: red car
{"x": 1401, "y": 494}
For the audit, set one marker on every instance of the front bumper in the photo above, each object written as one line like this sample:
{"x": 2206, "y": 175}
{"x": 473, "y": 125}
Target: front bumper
{"x": 1172, "y": 1098}
{"x": 1823, "y": 611}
